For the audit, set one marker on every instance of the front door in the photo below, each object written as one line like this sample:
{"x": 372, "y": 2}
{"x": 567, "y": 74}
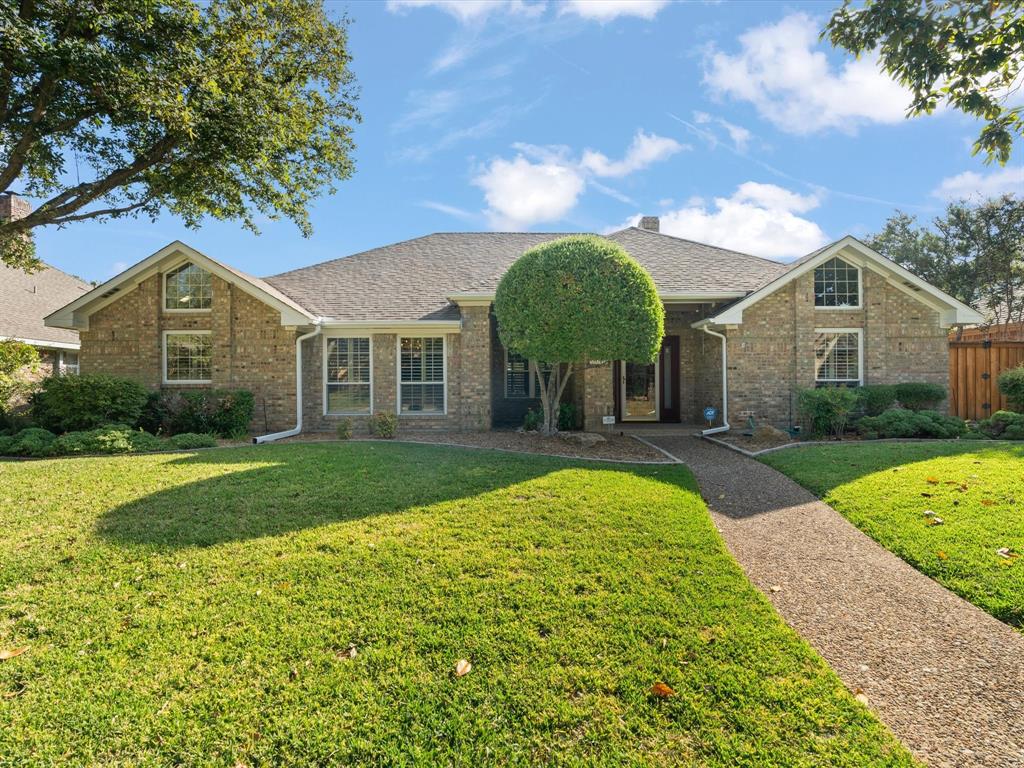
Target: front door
{"x": 650, "y": 391}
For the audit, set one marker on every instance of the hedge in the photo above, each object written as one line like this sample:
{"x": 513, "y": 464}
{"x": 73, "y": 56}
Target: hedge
{"x": 72, "y": 403}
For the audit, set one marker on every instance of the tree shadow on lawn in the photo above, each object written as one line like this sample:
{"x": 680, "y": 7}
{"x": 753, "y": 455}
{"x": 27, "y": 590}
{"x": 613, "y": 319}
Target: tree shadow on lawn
{"x": 293, "y": 488}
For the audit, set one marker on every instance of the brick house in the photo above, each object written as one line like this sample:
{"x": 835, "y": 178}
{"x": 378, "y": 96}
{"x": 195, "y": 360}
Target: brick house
{"x": 409, "y": 329}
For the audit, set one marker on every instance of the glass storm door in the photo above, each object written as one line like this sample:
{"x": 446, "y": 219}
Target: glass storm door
{"x": 639, "y": 387}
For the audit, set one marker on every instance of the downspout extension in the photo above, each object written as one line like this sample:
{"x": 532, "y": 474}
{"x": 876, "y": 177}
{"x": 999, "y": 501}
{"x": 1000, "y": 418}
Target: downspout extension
{"x": 298, "y": 392}
{"x": 725, "y": 385}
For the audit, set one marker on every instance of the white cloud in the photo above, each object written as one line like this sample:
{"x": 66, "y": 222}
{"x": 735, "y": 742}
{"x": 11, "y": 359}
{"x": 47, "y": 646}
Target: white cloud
{"x": 469, "y": 11}
{"x": 609, "y": 10}
{"x": 647, "y": 148}
{"x": 738, "y": 135}
{"x": 520, "y": 193}
{"x": 795, "y": 87}
{"x": 450, "y": 210}
{"x": 544, "y": 183}
{"x": 761, "y": 219}
{"x": 970, "y": 184}
{"x": 428, "y": 107}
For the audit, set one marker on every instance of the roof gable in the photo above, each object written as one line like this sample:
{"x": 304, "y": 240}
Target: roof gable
{"x": 27, "y": 298}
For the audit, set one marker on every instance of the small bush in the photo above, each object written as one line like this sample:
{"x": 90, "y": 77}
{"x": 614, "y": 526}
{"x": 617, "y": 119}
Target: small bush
{"x": 1003, "y": 425}
{"x": 223, "y": 412}
{"x": 920, "y": 396}
{"x": 71, "y": 403}
{"x": 112, "y": 438}
{"x": 189, "y": 440}
{"x": 28, "y": 442}
{"x": 900, "y": 422}
{"x": 1011, "y": 384}
{"x": 567, "y": 417}
{"x": 827, "y": 409}
{"x": 532, "y": 420}
{"x": 384, "y": 425}
{"x": 972, "y": 434}
{"x": 344, "y": 429}
{"x": 876, "y": 398}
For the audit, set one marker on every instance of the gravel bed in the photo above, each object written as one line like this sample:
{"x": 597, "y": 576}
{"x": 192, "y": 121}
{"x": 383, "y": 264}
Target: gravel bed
{"x": 947, "y": 678}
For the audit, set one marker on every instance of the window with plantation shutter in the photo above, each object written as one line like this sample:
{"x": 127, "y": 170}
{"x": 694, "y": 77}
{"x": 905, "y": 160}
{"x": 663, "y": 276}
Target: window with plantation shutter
{"x": 421, "y": 370}
{"x": 348, "y": 375}
{"x": 837, "y": 357}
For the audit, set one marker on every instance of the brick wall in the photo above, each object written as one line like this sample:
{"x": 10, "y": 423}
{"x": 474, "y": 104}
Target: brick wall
{"x": 251, "y": 350}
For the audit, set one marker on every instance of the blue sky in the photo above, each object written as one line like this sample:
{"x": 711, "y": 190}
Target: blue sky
{"x": 729, "y": 120}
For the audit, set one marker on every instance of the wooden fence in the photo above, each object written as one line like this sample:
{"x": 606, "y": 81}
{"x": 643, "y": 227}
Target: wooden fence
{"x": 974, "y": 367}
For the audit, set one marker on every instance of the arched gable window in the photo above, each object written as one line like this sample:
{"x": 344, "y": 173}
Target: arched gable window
{"x": 836, "y": 285}
{"x": 188, "y": 287}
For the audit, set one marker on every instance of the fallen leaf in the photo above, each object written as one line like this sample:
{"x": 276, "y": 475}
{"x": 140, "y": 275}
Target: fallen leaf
{"x": 10, "y": 653}
{"x": 348, "y": 653}
{"x": 936, "y": 521}
{"x": 926, "y": 495}
{"x": 662, "y": 691}
{"x": 929, "y": 513}
{"x": 775, "y": 588}
{"x": 861, "y": 697}
{"x": 462, "y": 667}
{"x": 987, "y": 502}
{"x": 932, "y": 480}
{"x": 942, "y": 555}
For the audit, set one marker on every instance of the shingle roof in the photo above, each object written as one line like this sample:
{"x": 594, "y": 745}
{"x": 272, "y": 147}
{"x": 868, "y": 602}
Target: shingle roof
{"x": 25, "y": 299}
{"x": 410, "y": 280}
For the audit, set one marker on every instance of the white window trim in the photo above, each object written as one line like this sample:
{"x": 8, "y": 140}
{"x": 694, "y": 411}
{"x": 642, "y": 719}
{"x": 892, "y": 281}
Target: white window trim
{"x": 444, "y": 375}
{"x": 324, "y": 366}
{"x": 859, "y": 332}
{"x": 860, "y": 287}
{"x": 163, "y": 290}
{"x": 184, "y": 332}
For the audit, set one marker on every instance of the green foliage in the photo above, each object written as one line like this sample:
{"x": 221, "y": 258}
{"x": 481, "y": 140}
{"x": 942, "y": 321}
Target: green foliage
{"x": 223, "y": 412}
{"x": 533, "y": 420}
{"x": 190, "y": 440}
{"x": 111, "y": 438}
{"x": 1011, "y": 384}
{"x": 224, "y": 109}
{"x": 568, "y": 417}
{"x": 15, "y": 358}
{"x": 384, "y": 425}
{"x": 1003, "y": 425}
{"x": 876, "y": 398}
{"x": 960, "y": 52}
{"x": 574, "y": 300}
{"x": 70, "y": 403}
{"x": 827, "y": 410}
{"x": 344, "y": 429}
{"x": 899, "y": 422}
{"x": 920, "y": 396}
{"x": 972, "y": 434}
{"x": 28, "y": 442}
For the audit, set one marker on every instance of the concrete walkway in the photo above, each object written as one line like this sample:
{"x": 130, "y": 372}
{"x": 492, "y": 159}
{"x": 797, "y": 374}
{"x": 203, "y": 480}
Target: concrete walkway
{"x": 947, "y": 678}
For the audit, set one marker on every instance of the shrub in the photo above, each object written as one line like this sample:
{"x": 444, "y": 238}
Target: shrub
{"x": 827, "y": 409}
{"x": 533, "y": 420}
{"x": 344, "y": 429}
{"x": 1011, "y": 384}
{"x": 876, "y": 398}
{"x": 224, "y": 412}
{"x": 1004, "y": 425}
{"x": 900, "y": 422}
{"x": 189, "y": 440}
{"x": 111, "y": 438}
{"x": 16, "y": 358}
{"x": 70, "y": 403}
{"x": 384, "y": 425}
{"x": 972, "y": 434}
{"x": 567, "y": 417}
{"x": 920, "y": 396}
{"x": 29, "y": 442}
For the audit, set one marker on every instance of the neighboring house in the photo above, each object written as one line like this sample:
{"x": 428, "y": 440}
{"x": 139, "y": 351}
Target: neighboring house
{"x": 408, "y": 328}
{"x": 25, "y": 299}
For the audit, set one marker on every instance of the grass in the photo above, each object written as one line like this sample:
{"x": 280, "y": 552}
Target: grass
{"x": 976, "y": 489}
{"x": 196, "y": 609}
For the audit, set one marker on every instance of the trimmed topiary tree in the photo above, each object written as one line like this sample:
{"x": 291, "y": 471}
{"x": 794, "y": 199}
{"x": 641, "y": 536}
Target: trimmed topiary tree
{"x": 571, "y": 301}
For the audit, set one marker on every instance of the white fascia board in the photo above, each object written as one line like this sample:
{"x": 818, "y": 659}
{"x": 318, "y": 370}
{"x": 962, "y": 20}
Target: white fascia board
{"x": 471, "y": 299}
{"x": 44, "y": 344}
{"x": 76, "y": 314}
{"x": 950, "y": 309}
{"x": 406, "y": 327}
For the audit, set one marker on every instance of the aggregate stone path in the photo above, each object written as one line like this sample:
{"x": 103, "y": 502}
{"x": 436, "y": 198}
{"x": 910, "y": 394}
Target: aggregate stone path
{"x": 947, "y": 678}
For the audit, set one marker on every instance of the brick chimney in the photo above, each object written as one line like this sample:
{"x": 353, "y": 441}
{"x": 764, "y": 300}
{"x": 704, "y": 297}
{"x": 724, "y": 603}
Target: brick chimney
{"x": 13, "y": 207}
{"x": 650, "y": 223}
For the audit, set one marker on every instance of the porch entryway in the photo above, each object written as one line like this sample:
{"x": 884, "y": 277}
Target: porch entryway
{"x": 649, "y": 392}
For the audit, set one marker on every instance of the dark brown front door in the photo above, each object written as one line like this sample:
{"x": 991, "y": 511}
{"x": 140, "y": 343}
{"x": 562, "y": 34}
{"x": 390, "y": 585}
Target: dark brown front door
{"x": 668, "y": 379}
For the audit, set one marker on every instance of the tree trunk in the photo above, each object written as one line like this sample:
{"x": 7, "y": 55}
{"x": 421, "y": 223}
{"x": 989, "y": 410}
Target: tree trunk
{"x": 551, "y": 393}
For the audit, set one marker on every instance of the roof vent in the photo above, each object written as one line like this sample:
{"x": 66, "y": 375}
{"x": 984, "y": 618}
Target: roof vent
{"x": 650, "y": 223}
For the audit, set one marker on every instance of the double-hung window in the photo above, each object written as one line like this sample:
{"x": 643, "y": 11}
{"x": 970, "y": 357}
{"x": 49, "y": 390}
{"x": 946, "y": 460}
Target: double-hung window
{"x": 836, "y": 285}
{"x": 421, "y": 372}
{"x": 188, "y": 357}
{"x": 347, "y": 370}
{"x": 838, "y": 357}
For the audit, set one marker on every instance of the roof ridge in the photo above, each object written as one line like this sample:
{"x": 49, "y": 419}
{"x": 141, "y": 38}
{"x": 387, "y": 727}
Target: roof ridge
{"x": 704, "y": 245}
{"x": 351, "y": 255}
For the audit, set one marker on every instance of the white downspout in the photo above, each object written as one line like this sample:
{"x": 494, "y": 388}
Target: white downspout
{"x": 298, "y": 392}
{"x": 725, "y": 386}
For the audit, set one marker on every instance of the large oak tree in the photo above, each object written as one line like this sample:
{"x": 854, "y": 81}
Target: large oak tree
{"x": 229, "y": 108}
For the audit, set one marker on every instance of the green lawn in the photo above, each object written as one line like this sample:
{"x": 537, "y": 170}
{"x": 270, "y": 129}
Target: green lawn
{"x": 976, "y": 489}
{"x": 196, "y": 609}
